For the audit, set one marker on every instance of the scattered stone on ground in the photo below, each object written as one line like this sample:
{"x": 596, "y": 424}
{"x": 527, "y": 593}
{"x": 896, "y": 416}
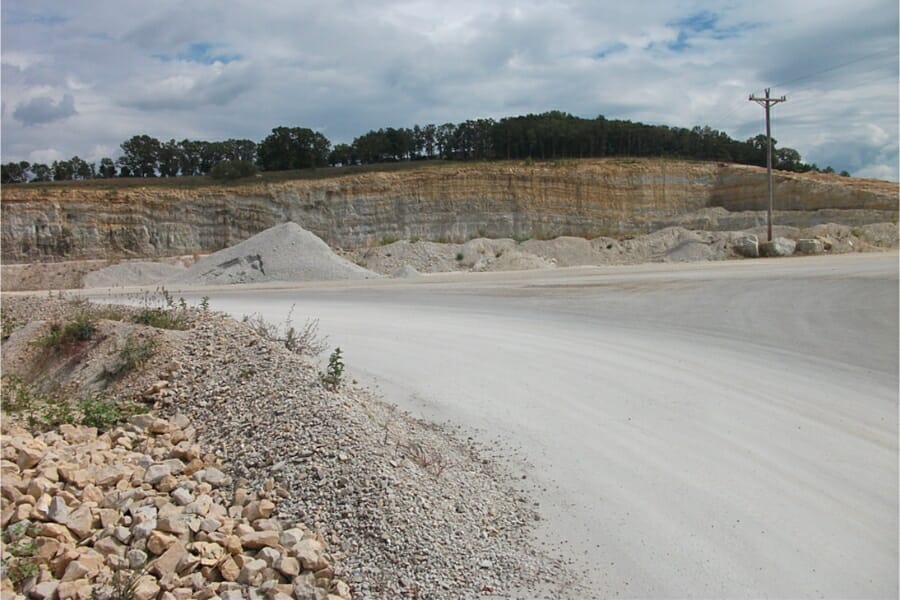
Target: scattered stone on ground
{"x": 747, "y": 246}
{"x": 285, "y": 252}
{"x": 143, "y": 509}
{"x": 807, "y": 246}
{"x": 779, "y": 246}
{"x": 289, "y": 253}
{"x": 393, "y": 507}
{"x": 672, "y": 244}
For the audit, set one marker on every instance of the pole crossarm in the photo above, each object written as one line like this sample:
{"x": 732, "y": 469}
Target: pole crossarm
{"x": 768, "y": 102}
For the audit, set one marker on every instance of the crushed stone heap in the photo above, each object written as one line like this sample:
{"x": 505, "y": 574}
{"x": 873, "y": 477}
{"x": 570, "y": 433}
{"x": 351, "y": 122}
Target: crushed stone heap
{"x": 285, "y": 252}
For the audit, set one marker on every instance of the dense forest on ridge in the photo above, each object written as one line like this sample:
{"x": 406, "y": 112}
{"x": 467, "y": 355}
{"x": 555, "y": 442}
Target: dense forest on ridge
{"x": 546, "y": 136}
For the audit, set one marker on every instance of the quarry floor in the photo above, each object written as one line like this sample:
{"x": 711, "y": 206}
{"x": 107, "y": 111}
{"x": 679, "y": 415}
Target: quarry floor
{"x": 723, "y": 429}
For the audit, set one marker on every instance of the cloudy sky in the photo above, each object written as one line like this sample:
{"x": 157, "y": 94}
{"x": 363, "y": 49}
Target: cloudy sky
{"x": 80, "y": 77}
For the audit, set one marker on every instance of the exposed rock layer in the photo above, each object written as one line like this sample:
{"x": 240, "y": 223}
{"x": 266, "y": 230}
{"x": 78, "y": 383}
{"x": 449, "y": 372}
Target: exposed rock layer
{"x": 445, "y": 202}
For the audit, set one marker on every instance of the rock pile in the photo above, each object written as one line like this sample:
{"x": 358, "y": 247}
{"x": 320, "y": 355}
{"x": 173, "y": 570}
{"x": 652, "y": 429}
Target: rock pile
{"x": 141, "y": 506}
{"x": 407, "y": 509}
{"x": 285, "y": 252}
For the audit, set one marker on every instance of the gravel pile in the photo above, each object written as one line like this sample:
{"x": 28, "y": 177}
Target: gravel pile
{"x": 413, "y": 511}
{"x": 285, "y": 252}
{"x": 405, "y": 508}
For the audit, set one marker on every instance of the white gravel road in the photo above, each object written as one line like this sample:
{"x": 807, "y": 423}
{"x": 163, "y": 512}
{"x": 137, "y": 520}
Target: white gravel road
{"x": 704, "y": 430}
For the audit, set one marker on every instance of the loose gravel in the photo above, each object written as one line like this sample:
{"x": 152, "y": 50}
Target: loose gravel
{"x": 408, "y": 509}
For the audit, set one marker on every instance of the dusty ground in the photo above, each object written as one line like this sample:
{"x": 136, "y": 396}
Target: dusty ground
{"x": 408, "y": 508}
{"x": 705, "y": 429}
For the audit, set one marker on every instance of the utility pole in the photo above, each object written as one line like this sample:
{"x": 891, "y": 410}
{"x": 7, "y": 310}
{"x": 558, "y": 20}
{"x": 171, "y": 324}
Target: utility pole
{"x": 768, "y": 103}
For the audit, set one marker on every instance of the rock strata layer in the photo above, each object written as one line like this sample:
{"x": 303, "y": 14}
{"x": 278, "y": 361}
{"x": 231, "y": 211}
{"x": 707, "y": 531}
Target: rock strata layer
{"x": 446, "y": 202}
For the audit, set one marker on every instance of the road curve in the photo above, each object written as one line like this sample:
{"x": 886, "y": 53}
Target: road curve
{"x": 705, "y": 430}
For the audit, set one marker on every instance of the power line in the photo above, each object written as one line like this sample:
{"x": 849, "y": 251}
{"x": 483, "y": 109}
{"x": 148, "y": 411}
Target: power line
{"x": 835, "y": 67}
{"x": 738, "y": 105}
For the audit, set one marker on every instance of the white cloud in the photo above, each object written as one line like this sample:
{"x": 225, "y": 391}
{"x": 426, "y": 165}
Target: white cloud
{"x": 46, "y": 156}
{"x": 349, "y": 66}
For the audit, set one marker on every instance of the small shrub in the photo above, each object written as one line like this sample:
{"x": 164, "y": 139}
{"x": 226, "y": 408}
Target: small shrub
{"x": 161, "y": 318}
{"x": 228, "y": 170}
{"x": 122, "y": 585}
{"x": 45, "y": 412}
{"x": 335, "y": 371}
{"x": 521, "y": 238}
{"x": 856, "y": 231}
{"x": 6, "y": 328}
{"x": 51, "y": 412}
{"x": 62, "y": 336}
{"x": 17, "y": 396}
{"x": 427, "y": 458}
{"x": 459, "y": 256}
{"x": 106, "y": 414}
{"x": 389, "y": 239}
{"x": 134, "y": 353}
{"x": 19, "y": 553}
{"x": 305, "y": 341}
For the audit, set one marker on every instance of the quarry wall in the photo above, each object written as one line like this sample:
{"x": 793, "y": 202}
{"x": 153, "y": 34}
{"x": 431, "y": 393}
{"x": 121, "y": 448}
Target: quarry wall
{"x": 445, "y": 202}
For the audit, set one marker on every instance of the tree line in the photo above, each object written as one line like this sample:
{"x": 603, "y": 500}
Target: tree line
{"x": 546, "y": 136}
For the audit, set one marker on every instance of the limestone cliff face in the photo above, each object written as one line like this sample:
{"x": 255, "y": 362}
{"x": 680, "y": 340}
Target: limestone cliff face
{"x": 442, "y": 203}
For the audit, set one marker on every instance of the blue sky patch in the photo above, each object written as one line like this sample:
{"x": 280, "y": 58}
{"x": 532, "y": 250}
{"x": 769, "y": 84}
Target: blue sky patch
{"x": 200, "y": 52}
{"x": 704, "y": 24}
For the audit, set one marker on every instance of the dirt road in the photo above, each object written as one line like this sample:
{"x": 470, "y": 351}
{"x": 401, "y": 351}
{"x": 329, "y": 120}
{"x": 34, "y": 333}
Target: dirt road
{"x": 700, "y": 430}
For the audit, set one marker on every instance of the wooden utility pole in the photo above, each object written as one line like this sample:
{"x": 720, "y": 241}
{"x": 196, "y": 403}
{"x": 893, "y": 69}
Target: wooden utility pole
{"x": 768, "y": 103}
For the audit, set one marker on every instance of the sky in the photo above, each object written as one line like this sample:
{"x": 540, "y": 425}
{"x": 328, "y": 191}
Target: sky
{"x": 79, "y": 78}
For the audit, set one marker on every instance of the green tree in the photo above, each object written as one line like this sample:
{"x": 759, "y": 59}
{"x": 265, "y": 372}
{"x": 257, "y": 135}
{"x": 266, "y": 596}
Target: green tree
{"x": 140, "y": 156}
{"x": 62, "y": 170}
{"x": 41, "y": 172}
{"x": 107, "y": 168}
{"x": 233, "y": 169}
{"x": 243, "y": 150}
{"x": 13, "y": 172}
{"x": 169, "y": 159}
{"x": 787, "y": 159}
{"x": 293, "y": 148}
{"x": 341, "y": 154}
{"x": 81, "y": 169}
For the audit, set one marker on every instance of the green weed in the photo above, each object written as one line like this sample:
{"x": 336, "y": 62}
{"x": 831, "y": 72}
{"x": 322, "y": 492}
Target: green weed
{"x": 19, "y": 553}
{"x": 134, "y": 353}
{"x": 63, "y": 336}
{"x": 106, "y": 414}
{"x": 161, "y": 318}
{"x": 331, "y": 379}
{"x": 43, "y": 412}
